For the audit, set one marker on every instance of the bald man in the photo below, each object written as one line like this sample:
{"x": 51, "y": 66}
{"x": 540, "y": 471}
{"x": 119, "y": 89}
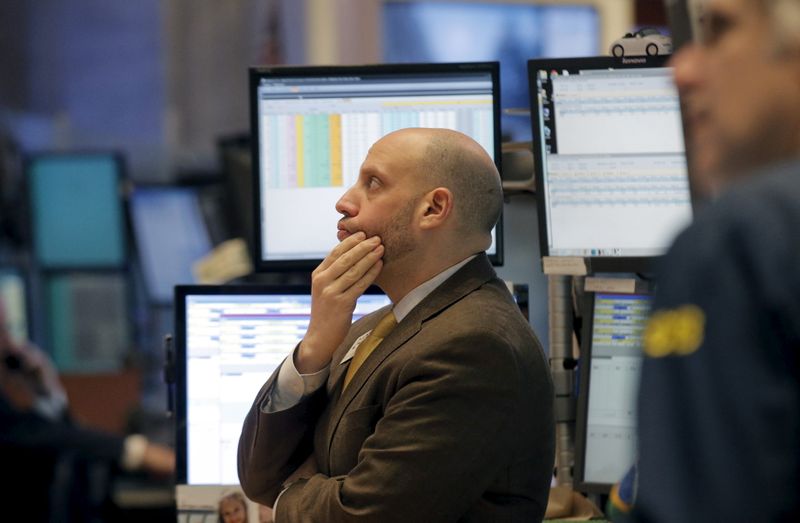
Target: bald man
{"x": 444, "y": 412}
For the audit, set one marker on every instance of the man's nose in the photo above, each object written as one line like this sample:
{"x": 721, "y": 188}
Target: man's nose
{"x": 346, "y": 204}
{"x": 687, "y": 66}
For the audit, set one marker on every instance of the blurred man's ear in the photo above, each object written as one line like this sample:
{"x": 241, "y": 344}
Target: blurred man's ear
{"x": 785, "y": 17}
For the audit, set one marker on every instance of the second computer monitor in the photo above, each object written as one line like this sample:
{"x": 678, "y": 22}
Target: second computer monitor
{"x": 228, "y": 340}
{"x": 611, "y": 359}
{"x": 611, "y": 172}
{"x": 313, "y": 126}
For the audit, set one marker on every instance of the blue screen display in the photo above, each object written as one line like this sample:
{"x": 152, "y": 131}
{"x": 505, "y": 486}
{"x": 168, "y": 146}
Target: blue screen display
{"x": 170, "y": 235}
{"x": 473, "y": 31}
{"x": 77, "y": 210}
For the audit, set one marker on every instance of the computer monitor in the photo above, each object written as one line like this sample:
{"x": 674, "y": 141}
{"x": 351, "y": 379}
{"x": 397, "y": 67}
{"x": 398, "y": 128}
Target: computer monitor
{"x": 170, "y": 235}
{"x": 76, "y": 210}
{"x": 88, "y": 326}
{"x": 312, "y": 128}
{"x": 14, "y": 300}
{"x": 610, "y": 363}
{"x": 228, "y": 340}
{"x": 609, "y": 158}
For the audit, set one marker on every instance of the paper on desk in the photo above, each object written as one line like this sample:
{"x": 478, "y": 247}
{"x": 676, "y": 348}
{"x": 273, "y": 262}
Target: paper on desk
{"x": 228, "y": 261}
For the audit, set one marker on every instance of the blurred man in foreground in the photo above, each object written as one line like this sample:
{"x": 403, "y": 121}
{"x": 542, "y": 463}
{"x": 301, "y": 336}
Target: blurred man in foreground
{"x": 719, "y": 410}
{"x": 449, "y": 417}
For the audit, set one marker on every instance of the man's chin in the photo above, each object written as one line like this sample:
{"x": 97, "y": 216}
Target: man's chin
{"x": 712, "y": 168}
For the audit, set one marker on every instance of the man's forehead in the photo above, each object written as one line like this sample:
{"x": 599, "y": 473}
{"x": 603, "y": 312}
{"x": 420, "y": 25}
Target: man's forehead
{"x": 730, "y": 7}
{"x": 394, "y": 150}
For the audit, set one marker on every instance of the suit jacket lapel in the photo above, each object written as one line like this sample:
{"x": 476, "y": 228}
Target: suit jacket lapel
{"x": 467, "y": 279}
{"x": 338, "y": 369}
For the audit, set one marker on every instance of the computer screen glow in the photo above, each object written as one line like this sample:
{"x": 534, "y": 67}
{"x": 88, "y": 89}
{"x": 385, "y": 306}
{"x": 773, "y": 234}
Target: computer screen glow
{"x": 510, "y": 32}
{"x": 614, "y": 179}
{"x": 313, "y": 133}
{"x": 170, "y": 237}
{"x": 614, "y": 367}
{"x": 77, "y": 210}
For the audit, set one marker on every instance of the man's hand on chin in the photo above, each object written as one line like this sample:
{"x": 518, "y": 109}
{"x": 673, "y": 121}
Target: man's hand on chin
{"x": 336, "y": 285}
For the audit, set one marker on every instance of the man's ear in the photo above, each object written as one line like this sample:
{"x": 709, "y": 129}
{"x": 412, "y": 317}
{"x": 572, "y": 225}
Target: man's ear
{"x": 436, "y": 207}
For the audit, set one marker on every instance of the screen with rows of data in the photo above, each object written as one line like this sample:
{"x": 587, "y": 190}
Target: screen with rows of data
{"x": 611, "y": 169}
{"x": 314, "y": 127}
{"x": 231, "y": 341}
{"x": 614, "y": 363}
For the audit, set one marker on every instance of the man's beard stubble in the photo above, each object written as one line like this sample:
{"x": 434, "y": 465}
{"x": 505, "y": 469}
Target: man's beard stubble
{"x": 396, "y": 236}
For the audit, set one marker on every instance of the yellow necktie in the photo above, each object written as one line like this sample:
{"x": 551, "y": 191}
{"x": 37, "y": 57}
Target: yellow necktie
{"x": 381, "y": 330}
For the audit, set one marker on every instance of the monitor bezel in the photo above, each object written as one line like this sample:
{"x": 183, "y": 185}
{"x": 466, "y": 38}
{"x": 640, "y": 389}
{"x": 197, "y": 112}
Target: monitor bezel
{"x": 182, "y": 292}
{"x": 582, "y": 408}
{"x": 257, "y": 73}
{"x": 594, "y": 263}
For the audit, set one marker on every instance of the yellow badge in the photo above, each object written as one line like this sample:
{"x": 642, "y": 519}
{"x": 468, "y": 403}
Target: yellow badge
{"x": 676, "y": 331}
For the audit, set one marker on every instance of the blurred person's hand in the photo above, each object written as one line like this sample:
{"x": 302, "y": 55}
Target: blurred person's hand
{"x": 159, "y": 460}
{"x": 264, "y": 514}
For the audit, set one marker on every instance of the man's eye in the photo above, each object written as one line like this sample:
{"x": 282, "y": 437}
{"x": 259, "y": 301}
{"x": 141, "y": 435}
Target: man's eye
{"x": 373, "y": 183}
{"x": 715, "y": 26}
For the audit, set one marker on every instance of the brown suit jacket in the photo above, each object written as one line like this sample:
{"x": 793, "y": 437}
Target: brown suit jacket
{"x": 449, "y": 419}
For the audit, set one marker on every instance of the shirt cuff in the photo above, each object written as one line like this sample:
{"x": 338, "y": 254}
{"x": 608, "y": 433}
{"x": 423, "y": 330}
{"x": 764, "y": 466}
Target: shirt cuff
{"x": 133, "y": 451}
{"x": 291, "y": 386}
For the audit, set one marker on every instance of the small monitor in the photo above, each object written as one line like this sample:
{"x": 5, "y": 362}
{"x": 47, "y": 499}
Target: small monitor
{"x": 88, "y": 327}
{"x": 170, "y": 235}
{"x": 610, "y": 165}
{"x": 611, "y": 359}
{"x": 312, "y": 128}
{"x": 14, "y": 300}
{"x": 76, "y": 210}
{"x": 228, "y": 340}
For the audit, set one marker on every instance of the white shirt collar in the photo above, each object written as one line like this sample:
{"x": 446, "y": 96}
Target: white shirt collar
{"x": 419, "y": 293}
